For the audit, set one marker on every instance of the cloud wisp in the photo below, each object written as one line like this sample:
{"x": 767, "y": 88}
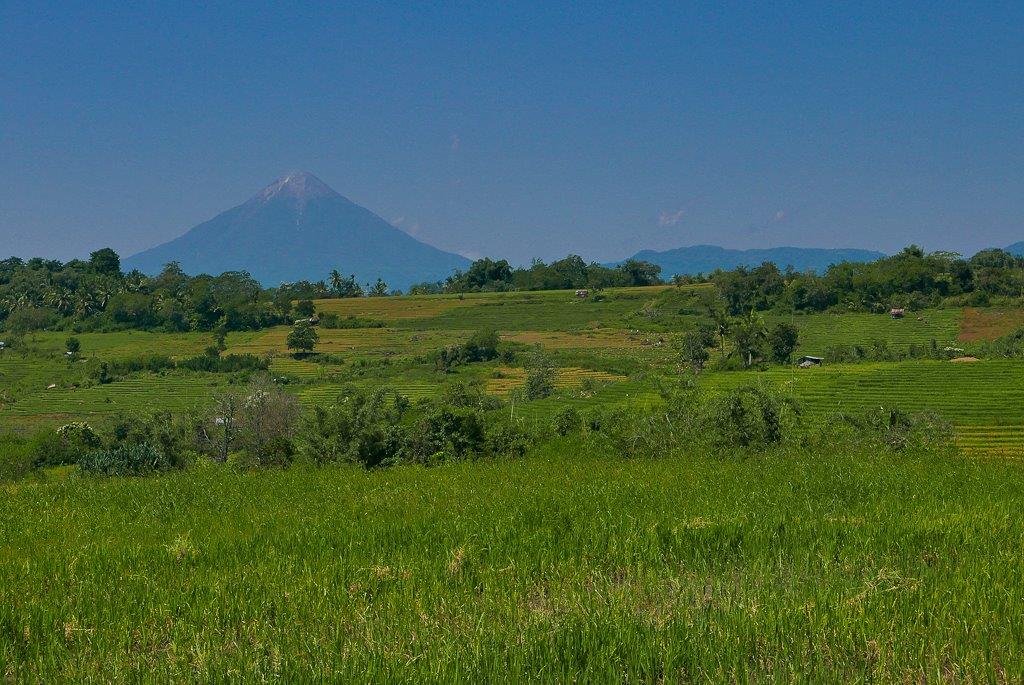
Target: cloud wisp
{"x": 670, "y": 218}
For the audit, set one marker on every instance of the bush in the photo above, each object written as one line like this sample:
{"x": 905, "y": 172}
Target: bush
{"x": 540, "y": 383}
{"x": 567, "y": 421}
{"x": 266, "y": 421}
{"x": 359, "y": 428}
{"x": 108, "y": 371}
{"x": 448, "y": 433}
{"x": 170, "y": 434}
{"x": 751, "y": 416}
{"x": 482, "y": 346}
{"x": 507, "y": 439}
{"x": 469, "y": 395}
{"x": 887, "y": 428}
{"x": 66, "y": 445}
{"x": 125, "y": 460}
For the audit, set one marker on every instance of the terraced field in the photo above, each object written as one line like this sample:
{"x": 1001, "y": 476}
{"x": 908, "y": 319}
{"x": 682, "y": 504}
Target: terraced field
{"x": 148, "y": 391}
{"x": 507, "y": 379}
{"x": 984, "y": 400}
{"x": 556, "y": 310}
{"x": 609, "y": 341}
{"x": 820, "y": 331}
{"x": 126, "y": 343}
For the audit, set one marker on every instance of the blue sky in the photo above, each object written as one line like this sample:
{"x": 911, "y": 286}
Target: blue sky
{"x": 520, "y": 130}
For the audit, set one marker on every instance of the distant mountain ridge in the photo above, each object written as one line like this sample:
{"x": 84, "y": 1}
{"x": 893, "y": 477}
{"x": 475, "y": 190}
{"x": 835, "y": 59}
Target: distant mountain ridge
{"x": 299, "y": 228}
{"x": 1016, "y": 249}
{"x": 704, "y": 259}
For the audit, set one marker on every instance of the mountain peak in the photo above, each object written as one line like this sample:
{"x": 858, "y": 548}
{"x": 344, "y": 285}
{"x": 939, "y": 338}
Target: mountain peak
{"x": 298, "y": 184}
{"x": 298, "y": 228}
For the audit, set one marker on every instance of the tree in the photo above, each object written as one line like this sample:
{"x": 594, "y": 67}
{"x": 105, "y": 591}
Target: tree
{"x": 105, "y": 261}
{"x": 716, "y": 310}
{"x": 302, "y": 338}
{"x": 266, "y": 421}
{"x": 379, "y": 289}
{"x": 221, "y": 431}
{"x": 641, "y": 273}
{"x": 750, "y": 336}
{"x": 344, "y": 287}
{"x": 483, "y": 274}
{"x": 694, "y": 351}
{"x": 783, "y": 340}
{"x": 72, "y": 345}
{"x": 336, "y": 281}
{"x": 305, "y": 308}
{"x": 540, "y": 376}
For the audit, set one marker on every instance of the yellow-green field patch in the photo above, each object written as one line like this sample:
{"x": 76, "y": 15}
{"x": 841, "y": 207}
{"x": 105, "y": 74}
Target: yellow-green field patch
{"x": 591, "y": 339}
{"x": 383, "y": 341}
{"x": 392, "y": 308}
{"x": 988, "y": 324}
{"x": 507, "y": 379}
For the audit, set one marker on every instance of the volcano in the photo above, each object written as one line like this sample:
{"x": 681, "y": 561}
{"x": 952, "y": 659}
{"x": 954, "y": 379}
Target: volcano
{"x": 298, "y": 228}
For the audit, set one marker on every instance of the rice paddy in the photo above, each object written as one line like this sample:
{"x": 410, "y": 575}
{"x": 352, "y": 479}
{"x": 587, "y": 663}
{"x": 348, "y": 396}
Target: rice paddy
{"x": 569, "y": 566}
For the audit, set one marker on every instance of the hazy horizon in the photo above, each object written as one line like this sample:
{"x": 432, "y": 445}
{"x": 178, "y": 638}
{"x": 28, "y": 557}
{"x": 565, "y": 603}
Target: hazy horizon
{"x": 520, "y": 132}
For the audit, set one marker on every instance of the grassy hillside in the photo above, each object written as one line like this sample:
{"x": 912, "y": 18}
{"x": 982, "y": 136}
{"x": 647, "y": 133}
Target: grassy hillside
{"x": 622, "y": 341}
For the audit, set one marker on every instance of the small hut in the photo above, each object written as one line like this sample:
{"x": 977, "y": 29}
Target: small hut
{"x": 897, "y": 313}
{"x": 582, "y": 294}
{"x": 807, "y": 361}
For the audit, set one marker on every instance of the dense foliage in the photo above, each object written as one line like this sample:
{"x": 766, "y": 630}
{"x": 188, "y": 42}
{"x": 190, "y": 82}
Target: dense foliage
{"x": 910, "y": 279}
{"x": 488, "y": 275}
{"x": 95, "y": 295}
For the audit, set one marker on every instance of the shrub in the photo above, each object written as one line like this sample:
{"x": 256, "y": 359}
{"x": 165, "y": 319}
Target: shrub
{"x": 107, "y": 371}
{"x": 886, "y": 428}
{"x": 540, "y": 382}
{"x": 173, "y": 435}
{"x": 335, "y": 321}
{"x": 360, "y": 428}
{"x": 634, "y": 433}
{"x": 751, "y": 416}
{"x": 448, "y": 433}
{"x": 266, "y": 421}
{"x": 125, "y": 460}
{"x": 482, "y": 346}
{"x": 461, "y": 394}
{"x": 567, "y": 421}
{"x": 66, "y": 445}
{"x": 507, "y": 439}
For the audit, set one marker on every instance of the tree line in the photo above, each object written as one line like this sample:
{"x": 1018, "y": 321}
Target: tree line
{"x": 95, "y": 295}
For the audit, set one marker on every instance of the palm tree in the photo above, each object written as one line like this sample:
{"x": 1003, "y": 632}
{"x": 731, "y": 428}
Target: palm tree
{"x": 61, "y": 299}
{"x": 337, "y": 282}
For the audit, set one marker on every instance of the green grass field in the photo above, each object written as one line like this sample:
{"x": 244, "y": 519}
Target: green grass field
{"x": 570, "y": 566}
